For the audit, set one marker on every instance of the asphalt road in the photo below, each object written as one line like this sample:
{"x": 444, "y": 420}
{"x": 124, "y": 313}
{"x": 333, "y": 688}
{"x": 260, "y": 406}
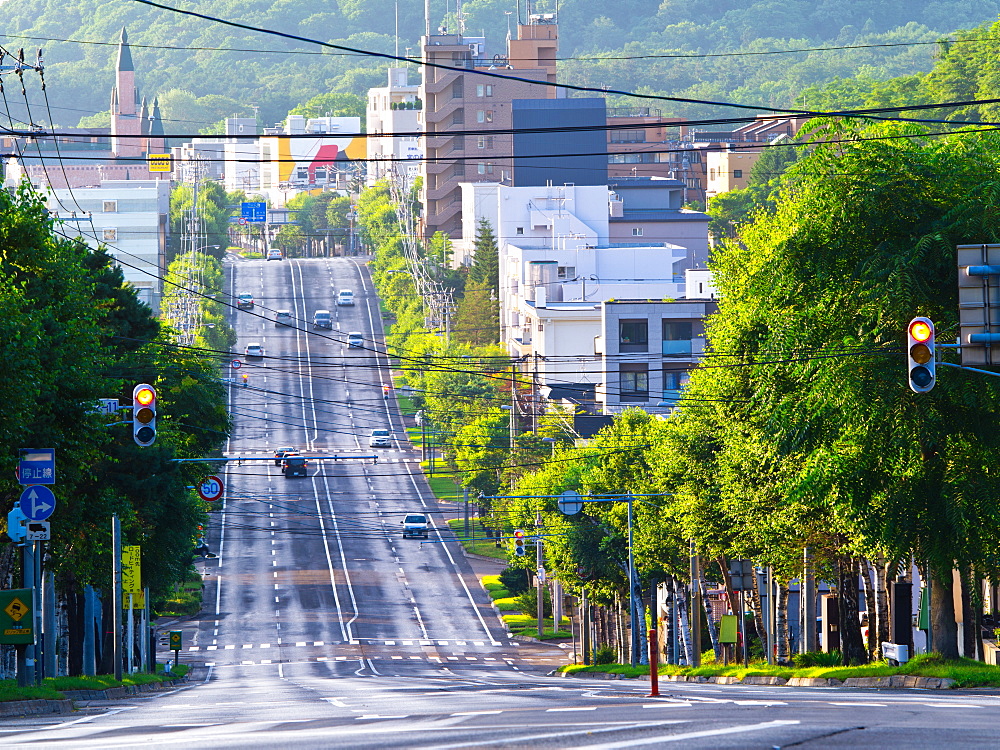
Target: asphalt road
{"x": 322, "y": 627}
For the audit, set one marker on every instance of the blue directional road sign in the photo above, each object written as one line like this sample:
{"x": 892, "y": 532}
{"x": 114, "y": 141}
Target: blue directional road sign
{"x": 37, "y": 503}
{"x": 37, "y": 466}
{"x": 254, "y": 212}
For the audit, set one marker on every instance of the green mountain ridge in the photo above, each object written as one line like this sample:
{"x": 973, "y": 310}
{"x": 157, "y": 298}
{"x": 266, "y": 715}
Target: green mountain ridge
{"x": 261, "y": 73}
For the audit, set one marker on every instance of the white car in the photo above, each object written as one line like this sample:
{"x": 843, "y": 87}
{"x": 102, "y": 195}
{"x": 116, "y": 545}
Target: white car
{"x": 355, "y": 340}
{"x": 283, "y": 318}
{"x": 415, "y": 524}
{"x": 345, "y": 298}
{"x": 380, "y": 439}
{"x": 275, "y": 254}
{"x": 254, "y": 351}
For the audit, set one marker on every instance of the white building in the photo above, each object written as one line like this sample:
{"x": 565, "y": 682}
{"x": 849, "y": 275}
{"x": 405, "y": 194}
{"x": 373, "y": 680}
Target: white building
{"x": 394, "y": 109}
{"x": 129, "y": 217}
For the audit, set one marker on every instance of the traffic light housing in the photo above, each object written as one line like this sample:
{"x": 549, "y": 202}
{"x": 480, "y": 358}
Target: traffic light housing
{"x": 519, "y": 542}
{"x": 920, "y": 355}
{"x": 144, "y": 415}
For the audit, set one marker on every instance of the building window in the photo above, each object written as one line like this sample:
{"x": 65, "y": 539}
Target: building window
{"x": 458, "y": 117}
{"x": 459, "y": 169}
{"x": 566, "y": 272}
{"x": 457, "y": 90}
{"x": 633, "y": 384}
{"x": 484, "y": 90}
{"x": 109, "y": 235}
{"x": 489, "y": 115}
{"x": 628, "y": 136}
{"x": 737, "y": 174}
{"x": 673, "y": 383}
{"x": 677, "y": 337}
{"x": 633, "y": 335}
{"x": 637, "y": 231}
{"x": 481, "y": 167}
{"x": 481, "y": 142}
{"x": 459, "y": 143}
{"x": 489, "y": 167}
{"x": 110, "y": 207}
{"x": 481, "y": 116}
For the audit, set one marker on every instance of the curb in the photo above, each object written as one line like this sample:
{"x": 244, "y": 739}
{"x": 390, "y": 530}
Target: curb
{"x": 893, "y": 681}
{"x": 40, "y": 706}
{"x": 124, "y": 691}
{"x": 483, "y": 558}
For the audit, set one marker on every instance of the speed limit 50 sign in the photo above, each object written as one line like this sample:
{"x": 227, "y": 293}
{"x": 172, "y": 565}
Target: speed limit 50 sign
{"x": 211, "y": 488}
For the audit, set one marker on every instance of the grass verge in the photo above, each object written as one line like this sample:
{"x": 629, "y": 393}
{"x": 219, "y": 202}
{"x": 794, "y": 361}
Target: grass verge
{"x": 186, "y": 599}
{"x": 51, "y": 687}
{"x": 478, "y": 543}
{"x": 967, "y": 673}
{"x": 443, "y": 487}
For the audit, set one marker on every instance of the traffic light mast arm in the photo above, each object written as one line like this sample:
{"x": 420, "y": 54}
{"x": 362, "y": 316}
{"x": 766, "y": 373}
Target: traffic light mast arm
{"x": 970, "y": 369}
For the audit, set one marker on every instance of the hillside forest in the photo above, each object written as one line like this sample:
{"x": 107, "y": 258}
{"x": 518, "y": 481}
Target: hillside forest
{"x": 742, "y": 51}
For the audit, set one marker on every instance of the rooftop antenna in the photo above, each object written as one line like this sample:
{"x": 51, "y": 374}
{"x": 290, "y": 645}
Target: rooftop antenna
{"x": 427, "y": 17}
{"x": 396, "y": 50}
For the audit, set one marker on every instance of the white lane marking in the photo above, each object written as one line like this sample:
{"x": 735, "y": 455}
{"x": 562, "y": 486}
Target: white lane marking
{"x": 477, "y": 713}
{"x": 695, "y": 735}
{"x": 532, "y": 738}
{"x": 571, "y": 708}
{"x": 858, "y": 703}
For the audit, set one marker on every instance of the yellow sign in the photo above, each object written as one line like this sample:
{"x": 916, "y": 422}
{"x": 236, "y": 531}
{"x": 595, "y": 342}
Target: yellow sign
{"x": 160, "y": 162}
{"x": 176, "y": 638}
{"x": 131, "y": 572}
{"x": 138, "y": 600}
{"x": 16, "y": 609}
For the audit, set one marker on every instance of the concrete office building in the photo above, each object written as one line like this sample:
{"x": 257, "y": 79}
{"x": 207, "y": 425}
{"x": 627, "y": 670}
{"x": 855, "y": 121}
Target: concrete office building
{"x": 456, "y": 101}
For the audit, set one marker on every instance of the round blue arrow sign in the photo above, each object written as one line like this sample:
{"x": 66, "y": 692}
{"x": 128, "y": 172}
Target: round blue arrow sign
{"x": 37, "y": 502}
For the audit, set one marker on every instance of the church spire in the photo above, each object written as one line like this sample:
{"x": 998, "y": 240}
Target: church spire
{"x": 124, "y": 53}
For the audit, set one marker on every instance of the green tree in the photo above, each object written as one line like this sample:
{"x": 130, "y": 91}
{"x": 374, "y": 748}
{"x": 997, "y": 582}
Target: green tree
{"x": 333, "y": 105}
{"x": 817, "y": 428}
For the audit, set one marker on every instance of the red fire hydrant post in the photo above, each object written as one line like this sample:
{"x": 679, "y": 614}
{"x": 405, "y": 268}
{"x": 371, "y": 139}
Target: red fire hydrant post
{"x": 654, "y": 665}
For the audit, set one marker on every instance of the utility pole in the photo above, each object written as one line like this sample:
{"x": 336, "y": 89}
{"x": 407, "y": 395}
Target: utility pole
{"x": 465, "y": 506}
{"x": 807, "y": 597}
{"x": 539, "y": 577}
{"x": 695, "y": 606}
{"x": 116, "y": 597}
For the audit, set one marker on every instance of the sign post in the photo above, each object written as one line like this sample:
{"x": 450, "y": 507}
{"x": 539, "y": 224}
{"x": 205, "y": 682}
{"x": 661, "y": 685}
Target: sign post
{"x": 17, "y": 628}
{"x": 176, "y": 642}
{"x": 131, "y": 588}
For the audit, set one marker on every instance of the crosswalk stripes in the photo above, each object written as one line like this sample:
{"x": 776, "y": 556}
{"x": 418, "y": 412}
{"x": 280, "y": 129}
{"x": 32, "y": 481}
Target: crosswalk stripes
{"x": 368, "y": 642}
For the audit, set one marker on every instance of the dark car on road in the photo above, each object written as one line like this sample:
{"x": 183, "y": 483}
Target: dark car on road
{"x": 294, "y": 466}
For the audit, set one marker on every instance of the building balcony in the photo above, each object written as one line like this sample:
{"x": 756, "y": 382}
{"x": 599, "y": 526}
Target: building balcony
{"x": 678, "y": 347}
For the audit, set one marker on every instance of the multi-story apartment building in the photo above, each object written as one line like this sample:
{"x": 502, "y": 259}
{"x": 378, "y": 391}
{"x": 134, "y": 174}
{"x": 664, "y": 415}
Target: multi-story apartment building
{"x": 456, "y": 101}
{"x": 394, "y": 109}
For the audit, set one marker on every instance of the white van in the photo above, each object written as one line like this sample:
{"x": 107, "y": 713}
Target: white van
{"x": 345, "y": 298}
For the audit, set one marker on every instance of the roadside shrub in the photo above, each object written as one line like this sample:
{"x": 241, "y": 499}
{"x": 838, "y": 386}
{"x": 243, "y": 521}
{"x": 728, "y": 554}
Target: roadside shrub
{"x": 817, "y": 659}
{"x": 604, "y": 654}
{"x": 527, "y": 603}
{"x": 515, "y": 580}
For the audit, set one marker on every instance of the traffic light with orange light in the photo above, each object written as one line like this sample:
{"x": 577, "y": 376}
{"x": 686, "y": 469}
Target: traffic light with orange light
{"x": 519, "y": 542}
{"x": 144, "y": 415}
{"x": 920, "y": 354}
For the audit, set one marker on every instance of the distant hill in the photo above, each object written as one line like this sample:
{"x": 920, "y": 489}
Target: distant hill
{"x": 274, "y": 75}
